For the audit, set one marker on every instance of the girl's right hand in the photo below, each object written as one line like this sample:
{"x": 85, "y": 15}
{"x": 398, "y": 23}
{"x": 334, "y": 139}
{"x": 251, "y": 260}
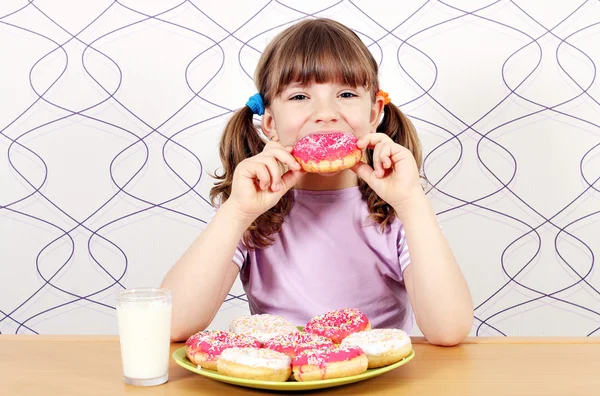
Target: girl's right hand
{"x": 259, "y": 182}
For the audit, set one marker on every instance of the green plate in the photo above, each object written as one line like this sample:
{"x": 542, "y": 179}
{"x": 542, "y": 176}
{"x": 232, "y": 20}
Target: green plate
{"x": 182, "y": 360}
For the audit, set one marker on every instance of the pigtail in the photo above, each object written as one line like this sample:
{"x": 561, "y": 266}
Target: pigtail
{"x": 241, "y": 140}
{"x": 402, "y": 131}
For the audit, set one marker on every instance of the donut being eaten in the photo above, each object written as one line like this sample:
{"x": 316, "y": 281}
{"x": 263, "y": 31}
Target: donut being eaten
{"x": 327, "y": 152}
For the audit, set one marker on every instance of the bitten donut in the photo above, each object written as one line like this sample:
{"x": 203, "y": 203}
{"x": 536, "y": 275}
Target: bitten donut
{"x": 327, "y": 152}
{"x": 315, "y": 364}
{"x": 294, "y": 343}
{"x": 262, "y": 327}
{"x": 382, "y": 346}
{"x": 255, "y": 363}
{"x": 204, "y": 348}
{"x": 337, "y": 325}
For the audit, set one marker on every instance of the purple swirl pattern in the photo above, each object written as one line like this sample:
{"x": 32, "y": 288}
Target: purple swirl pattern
{"x": 112, "y": 109}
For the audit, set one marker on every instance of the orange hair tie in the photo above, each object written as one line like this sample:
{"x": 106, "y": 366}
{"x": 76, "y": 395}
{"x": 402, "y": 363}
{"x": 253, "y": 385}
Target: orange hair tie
{"x": 386, "y": 97}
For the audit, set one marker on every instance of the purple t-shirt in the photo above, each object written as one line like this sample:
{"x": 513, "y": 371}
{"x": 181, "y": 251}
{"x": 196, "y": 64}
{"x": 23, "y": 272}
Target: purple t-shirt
{"x": 329, "y": 255}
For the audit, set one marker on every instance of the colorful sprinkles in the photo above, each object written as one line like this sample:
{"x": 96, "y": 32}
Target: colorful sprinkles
{"x": 336, "y": 325}
{"x": 322, "y": 357}
{"x": 325, "y": 146}
{"x": 378, "y": 341}
{"x": 214, "y": 342}
{"x": 294, "y": 343}
{"x": 262, "y": 327}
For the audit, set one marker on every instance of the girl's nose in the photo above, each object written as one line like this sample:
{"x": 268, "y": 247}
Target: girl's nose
{"x": 325, "y": 111}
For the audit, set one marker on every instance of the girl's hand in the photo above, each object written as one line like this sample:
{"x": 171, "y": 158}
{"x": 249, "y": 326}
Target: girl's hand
{"x": 259, "y": 182}
{"x": 394, "y": 176}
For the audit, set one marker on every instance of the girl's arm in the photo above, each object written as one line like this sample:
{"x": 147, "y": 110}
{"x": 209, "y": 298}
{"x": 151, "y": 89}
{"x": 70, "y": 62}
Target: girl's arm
{"x": 202, "y": 277}
{"x": 436, "y": 287}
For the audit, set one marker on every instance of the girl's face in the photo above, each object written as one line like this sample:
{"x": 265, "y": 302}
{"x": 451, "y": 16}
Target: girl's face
{"x": 302, "y": 110}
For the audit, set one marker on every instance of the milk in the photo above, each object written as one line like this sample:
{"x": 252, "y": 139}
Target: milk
{"x": 144, "y": 332}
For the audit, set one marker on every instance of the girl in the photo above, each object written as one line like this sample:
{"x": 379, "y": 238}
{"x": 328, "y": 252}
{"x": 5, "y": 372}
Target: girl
{"x": 306, "y": 243}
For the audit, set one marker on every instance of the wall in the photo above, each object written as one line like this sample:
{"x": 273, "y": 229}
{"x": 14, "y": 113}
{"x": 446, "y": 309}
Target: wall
{"x": 111, "y": 113}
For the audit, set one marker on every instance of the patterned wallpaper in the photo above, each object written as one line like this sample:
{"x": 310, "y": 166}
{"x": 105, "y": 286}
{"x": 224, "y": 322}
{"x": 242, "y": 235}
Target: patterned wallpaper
{"x": 110, "y": 114}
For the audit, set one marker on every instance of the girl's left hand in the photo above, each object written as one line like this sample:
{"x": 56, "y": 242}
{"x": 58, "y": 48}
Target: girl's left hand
{"x": 394, "y": 176}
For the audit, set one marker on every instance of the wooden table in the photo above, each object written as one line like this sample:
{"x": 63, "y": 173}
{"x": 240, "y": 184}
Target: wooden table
{"x": 84, "y": 365}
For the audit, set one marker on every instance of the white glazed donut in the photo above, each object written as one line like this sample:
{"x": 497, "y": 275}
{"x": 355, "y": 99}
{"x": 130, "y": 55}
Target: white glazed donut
{"x": 262, "y": 327}
{"x": 255, "y": 364}
{"x": 382, "y": 346}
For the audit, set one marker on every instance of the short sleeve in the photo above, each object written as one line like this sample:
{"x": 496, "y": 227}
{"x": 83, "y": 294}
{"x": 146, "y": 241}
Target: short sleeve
{"x": 403, "y": 255}
{"x": 241, "y": 253}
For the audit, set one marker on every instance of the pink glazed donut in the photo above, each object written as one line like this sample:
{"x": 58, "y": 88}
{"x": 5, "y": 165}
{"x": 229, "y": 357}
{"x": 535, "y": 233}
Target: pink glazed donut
{"x": 337, "y": 325}
{"x": 322, "y": 364}
{"x": 204, "y": 348}
{"x": 294, "y": 343}
{"x": 327, "y": 152}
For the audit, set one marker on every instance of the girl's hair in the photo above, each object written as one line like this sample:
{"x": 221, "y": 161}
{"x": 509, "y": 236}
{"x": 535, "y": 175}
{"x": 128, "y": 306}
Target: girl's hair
{"x": 312, "y": 51}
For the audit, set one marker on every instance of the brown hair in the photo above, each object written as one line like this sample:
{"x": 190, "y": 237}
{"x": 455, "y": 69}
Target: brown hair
{"x": 319, "y": 51}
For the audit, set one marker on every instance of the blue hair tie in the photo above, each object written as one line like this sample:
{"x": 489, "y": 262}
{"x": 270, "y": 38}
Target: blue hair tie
{"x": 256, "y": 104}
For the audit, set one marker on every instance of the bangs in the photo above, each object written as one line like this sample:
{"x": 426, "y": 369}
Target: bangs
{"x": 320, "y": 53}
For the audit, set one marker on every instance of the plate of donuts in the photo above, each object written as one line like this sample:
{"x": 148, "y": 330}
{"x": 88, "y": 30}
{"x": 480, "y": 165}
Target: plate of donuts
{"x": 268, "y": 352}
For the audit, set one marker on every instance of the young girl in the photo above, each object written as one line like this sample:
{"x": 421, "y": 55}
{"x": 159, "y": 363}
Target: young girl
{"x": 307, "y": 243}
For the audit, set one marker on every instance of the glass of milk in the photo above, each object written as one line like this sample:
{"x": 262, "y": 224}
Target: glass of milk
{"x": 144, "y": 320}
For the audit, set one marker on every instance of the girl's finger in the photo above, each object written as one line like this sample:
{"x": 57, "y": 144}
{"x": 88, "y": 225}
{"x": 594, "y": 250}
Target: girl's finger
{"x": 372, "y": 139}
{"x": 387, "y": 152}
{"x": 363, "y": 170}
{"x": 261, "y": 174}
{"x": 283, "y": 156}
{"x": 276, "y": 145}
{"x": 290, "y": 178}
{"x": 274, "y": 169}
{"x": 377, "y": 165}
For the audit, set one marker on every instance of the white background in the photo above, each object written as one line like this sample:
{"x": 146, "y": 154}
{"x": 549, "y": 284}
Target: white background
{"x": 110, "y": 114}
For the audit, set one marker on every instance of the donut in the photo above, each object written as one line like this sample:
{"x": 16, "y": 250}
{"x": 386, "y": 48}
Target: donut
{"x": 293, "y": 343}
{"x": 382, "y": 346}
{"x": 327, "y": 152}
{"x": 255, "y": 363}
{"x": 337, "y": 325}
{"x": 204, "y": 348}
{"x": 321, "y": 364}
{"x": 262, "y": 327}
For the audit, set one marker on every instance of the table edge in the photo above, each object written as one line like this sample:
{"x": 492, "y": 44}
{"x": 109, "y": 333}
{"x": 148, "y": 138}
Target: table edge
{"x": 415, "y": 340}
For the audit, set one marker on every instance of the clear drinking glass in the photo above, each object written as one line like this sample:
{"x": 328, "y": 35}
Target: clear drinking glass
{"x": 144, "y": 321}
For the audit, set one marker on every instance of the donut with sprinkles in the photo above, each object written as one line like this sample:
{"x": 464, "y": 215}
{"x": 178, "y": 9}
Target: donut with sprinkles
{"x": 337, "y": 325}
{"x": 382, "y": 346}
{"x": 327, "y": 152}
{"x": 255, "y": 364}
{"x": 294, "y": 343}
{"x": 204, "y": 348}
{"x": 262, "y": 327}
{"x": 322, "y": 364}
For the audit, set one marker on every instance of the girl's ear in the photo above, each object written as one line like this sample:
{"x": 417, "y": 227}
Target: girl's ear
{"x": 376, "y": 112}
{"x": 267, "y": 125}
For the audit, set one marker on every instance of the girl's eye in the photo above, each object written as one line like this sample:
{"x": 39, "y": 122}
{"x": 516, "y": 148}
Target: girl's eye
{"x": 298, "y": 97}
{"x": 348, "y": 95}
